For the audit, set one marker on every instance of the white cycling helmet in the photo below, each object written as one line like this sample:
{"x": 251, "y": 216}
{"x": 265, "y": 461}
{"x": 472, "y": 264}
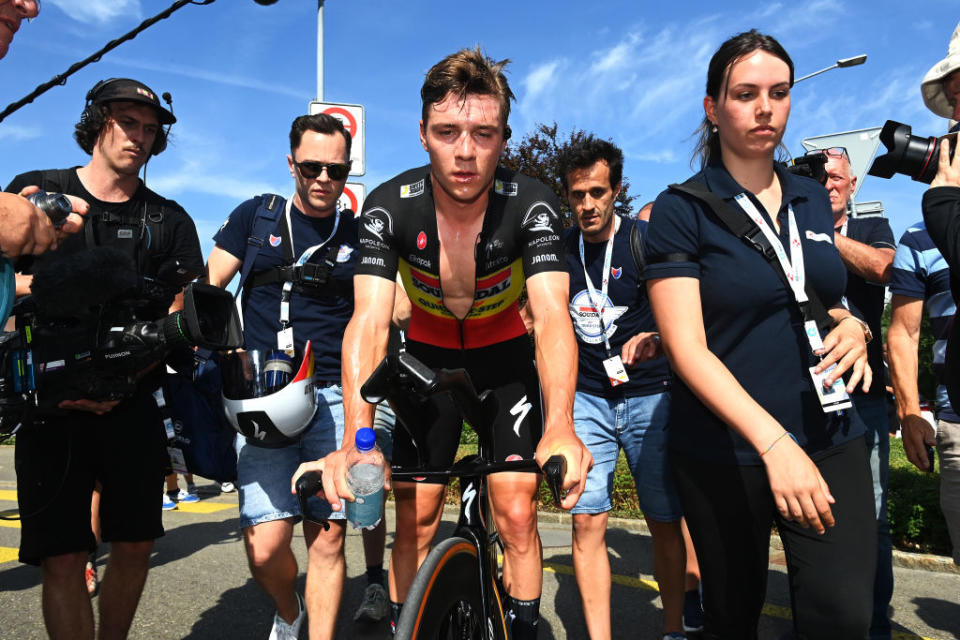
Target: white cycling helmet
{"x": 262, "y": 398}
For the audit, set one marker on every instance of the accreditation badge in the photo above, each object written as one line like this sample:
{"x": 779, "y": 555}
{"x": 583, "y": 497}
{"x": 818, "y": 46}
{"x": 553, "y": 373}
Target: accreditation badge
{"x": 833, "y": 399}
{"x": 616, "y": 372}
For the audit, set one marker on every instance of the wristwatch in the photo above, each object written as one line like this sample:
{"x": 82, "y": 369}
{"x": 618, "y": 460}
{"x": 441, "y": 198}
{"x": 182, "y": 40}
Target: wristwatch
{"x": 867, "y": 334}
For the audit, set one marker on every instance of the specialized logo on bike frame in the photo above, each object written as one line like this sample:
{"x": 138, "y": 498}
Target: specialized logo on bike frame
{"x": 412, "y": 190}
{"x": 378, "y": 221}
{"x": 539, "y": 217}
{"x": 586, "y": 320}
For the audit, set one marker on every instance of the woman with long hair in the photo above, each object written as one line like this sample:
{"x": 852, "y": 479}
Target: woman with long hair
{"x": 760, "y": 431}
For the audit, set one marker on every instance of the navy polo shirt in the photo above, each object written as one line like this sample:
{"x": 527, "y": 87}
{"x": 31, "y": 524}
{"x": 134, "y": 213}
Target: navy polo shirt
{"x": 320, "y": 319}
{"x": 627, "y": 313}
{"x": 751, "y": 319}
{"x": 866, "y": 299}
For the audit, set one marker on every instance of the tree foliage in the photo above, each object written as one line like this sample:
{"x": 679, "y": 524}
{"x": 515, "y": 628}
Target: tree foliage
{"x": 538, "y": 154}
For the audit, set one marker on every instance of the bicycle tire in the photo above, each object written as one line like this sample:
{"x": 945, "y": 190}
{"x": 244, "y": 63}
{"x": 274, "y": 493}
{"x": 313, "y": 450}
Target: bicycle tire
{"x": 444, "y": 600}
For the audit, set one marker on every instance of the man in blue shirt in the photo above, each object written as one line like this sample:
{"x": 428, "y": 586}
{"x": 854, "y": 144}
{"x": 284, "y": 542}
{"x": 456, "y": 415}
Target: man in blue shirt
{"x": 921, "y": 278}
{"x": 623, "y": 386}
{"x": 309, "y": 222}
{"x": 866, "y": 248}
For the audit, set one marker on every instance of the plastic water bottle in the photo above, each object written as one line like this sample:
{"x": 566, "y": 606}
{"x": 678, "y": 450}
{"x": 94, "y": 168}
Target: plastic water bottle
{"x": 365, "y": 477}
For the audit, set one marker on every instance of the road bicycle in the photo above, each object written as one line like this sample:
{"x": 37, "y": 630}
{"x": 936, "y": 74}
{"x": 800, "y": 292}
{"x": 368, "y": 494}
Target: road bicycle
{"x": 457, "y": 593}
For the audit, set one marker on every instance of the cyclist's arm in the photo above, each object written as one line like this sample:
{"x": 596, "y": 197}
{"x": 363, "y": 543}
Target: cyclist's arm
{"x": 556, "y": 353}
{"x": 364, "y": 345}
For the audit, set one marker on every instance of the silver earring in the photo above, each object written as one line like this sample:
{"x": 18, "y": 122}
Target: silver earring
{"x": 713, "y": 129}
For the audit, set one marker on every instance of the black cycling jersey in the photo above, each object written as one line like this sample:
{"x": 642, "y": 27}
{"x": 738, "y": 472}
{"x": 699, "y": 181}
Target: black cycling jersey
{"x": 519, "y": 238}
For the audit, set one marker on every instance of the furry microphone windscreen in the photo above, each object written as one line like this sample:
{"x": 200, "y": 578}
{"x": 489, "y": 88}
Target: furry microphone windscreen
{"x": 71, "y": 285}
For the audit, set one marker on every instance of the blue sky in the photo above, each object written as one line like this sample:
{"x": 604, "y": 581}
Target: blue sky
{"x": 631, "y": 70}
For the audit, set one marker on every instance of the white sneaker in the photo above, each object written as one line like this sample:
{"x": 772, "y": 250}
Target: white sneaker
{"x": 374, "y": 606}
{"x": 283, "y": 630}
{"x": 227, "y": 487}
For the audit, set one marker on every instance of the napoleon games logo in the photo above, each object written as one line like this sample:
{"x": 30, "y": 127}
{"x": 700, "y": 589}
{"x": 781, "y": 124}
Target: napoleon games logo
{"x": 377, "y": 221}
{"x": 586, "y": 319}
{"x": 421, "y": 240}
{"x": 539, "y": 217}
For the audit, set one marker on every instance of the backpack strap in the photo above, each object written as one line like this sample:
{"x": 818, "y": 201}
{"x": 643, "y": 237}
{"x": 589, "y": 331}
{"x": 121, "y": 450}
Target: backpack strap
{"x": 636, "y": 250}
{"x": 744, "y": 228}
{"x": 264, "y": 221}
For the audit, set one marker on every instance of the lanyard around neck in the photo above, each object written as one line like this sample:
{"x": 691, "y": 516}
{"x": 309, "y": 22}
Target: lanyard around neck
{"x": 792, "y": 265}
{"x": 599, "y": 302}
{"x": 302, "y": 260}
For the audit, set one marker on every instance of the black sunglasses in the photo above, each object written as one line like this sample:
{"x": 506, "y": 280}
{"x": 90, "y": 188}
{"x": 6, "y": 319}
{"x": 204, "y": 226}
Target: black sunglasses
{"x": 312, "y": 170}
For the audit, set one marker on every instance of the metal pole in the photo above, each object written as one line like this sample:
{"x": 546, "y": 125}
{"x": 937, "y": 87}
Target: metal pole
{"x": 815, "y": 73}
{"x": 319, "y": 50}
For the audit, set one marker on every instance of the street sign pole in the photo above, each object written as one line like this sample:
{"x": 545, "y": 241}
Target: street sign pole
{"x": 319, "y": 50}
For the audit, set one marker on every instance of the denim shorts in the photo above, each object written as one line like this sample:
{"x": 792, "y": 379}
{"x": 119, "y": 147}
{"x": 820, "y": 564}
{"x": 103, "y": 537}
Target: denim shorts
{"x": 638, "y": 425}
{"x": 263, "y": 475}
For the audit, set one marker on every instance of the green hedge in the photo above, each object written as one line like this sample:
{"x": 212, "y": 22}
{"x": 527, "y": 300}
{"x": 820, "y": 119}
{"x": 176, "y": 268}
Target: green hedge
{"x": 916, "y": 521}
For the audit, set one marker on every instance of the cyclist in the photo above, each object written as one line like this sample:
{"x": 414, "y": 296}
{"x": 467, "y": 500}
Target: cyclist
{"x": 465, "y": 236}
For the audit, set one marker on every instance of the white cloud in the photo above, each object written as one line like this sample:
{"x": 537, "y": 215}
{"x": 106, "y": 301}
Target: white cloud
{"x": 98, "y": 11}
{"x": 18, "y": 133}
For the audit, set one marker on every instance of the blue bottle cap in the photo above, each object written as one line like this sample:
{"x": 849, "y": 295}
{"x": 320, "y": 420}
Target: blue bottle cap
{"x": 366, "y": 439}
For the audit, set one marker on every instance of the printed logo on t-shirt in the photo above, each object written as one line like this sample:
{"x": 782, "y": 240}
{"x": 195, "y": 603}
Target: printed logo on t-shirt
{"x": 377, "y": 221}
{"x": 275, "y": 240}
{"x": 412, "y": 190}
{"x": 819, "y": 237}
{"x": 616, "y": 272}
{"x": 538, "y": 217}
{"x": 586, "y": 320}
{"x": 343, "y": 254}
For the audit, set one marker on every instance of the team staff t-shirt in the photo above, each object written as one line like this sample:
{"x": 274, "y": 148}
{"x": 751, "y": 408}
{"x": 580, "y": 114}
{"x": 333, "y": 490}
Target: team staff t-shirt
{"x": 751, "y": 319}
{"x": 321, "y": 319}
{"x": 626, "y": 312}
{"x": 866, "y": 298}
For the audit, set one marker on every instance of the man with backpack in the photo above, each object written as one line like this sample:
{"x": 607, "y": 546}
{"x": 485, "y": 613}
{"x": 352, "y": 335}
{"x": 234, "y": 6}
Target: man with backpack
{"x": 119, "y": 445}
{"x": 296, "y": 259}
{"x": 623, "y": 384}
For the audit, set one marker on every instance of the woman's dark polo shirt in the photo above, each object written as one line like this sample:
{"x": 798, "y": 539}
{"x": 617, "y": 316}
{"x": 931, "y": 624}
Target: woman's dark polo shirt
{"x": 752, "y": 321}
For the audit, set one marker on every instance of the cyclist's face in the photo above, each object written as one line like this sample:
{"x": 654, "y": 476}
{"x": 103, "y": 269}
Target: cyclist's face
{"x": 11, "y": 14}
{"x": 464, "y": 137}
{"x": 591, "y": 199}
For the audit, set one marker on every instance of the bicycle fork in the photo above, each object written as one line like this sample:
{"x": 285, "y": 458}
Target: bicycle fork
{"x": 476, "y": 525}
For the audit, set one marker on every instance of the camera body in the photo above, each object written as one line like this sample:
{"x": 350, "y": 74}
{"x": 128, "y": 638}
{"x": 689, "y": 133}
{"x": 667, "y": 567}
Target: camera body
{"x": 101, "y": 355}
{"x": 811, "y": 165}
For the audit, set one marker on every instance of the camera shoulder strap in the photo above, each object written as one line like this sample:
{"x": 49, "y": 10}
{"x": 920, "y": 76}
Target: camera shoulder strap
{"x": 636, "y": 249}
{"x": 264, "y": 221}
{"x": 745, "y": 229}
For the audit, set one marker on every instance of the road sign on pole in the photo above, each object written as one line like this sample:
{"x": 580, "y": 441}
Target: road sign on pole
{"x": 353, "y": 121}
{"x": 352, "y": 197}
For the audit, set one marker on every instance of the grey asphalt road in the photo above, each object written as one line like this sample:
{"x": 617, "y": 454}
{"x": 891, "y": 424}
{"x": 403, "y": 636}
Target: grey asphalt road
{"x": 200, "y": 588}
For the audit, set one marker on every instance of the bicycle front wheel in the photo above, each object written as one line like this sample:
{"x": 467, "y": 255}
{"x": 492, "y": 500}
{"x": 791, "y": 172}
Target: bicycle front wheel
{"x": 444, "y": 601}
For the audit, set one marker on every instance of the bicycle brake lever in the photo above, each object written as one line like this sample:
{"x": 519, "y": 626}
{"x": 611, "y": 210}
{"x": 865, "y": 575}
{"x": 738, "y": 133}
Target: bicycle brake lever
{"x": 307, "y": 485}
{"x": 554, "y": 469}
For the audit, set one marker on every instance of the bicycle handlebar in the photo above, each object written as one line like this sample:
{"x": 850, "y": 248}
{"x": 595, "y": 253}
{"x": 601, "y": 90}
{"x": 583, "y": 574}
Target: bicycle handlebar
{"x": 308, "y": 485}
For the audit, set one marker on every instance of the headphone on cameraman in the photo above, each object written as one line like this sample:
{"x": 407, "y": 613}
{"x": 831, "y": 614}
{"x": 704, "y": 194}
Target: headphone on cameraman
{"x": 91, "y": 111}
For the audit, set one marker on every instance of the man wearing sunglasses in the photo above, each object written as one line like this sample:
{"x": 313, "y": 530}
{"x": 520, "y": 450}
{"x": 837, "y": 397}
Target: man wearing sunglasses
{"x": 299, "y": 288}
{"x": 866, "y": 246}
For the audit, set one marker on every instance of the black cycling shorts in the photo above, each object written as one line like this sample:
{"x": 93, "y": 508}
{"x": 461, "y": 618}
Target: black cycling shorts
{"x": 508, "y": 370}
{"x": 59, "y": 461}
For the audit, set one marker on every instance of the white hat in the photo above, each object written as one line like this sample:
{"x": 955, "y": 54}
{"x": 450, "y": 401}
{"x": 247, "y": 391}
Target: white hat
{"x": 932, "y": 86}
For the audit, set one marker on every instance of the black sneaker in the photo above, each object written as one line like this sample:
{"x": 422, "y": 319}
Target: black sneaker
{"x": 692, "y": 612}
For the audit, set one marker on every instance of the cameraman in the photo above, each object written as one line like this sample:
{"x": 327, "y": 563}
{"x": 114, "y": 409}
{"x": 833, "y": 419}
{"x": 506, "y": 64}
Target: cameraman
{"x": 120, "y": 445}
{"x": 24, "y": 229}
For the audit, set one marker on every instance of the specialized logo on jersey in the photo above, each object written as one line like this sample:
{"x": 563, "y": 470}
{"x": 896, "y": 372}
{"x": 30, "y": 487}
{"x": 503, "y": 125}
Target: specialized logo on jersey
{"x": 421, "y": 240}
{"x": 586, "y": 320}
{"x": 412, "y": 190}
{"x": 616, "y": 272}
{"x": 539, "y": 217}
{"x": 378, "y": 222}
{"x": 505, "y": 188}
{"x": 275, "y": 240}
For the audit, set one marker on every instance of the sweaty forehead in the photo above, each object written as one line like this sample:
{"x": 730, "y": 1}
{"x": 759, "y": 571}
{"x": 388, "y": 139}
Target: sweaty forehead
{"x": 585, "y": 178}
{"x": 758, "y": 68}
{"x": 472, "y": 108}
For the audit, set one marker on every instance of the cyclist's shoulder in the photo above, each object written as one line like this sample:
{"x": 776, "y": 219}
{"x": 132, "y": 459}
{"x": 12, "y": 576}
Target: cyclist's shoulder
{"x": 520, "y": 190}
{"x": 401, "y": 192}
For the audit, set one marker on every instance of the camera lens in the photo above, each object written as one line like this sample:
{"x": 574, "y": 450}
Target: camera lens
{"x": 907, "y": 154}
